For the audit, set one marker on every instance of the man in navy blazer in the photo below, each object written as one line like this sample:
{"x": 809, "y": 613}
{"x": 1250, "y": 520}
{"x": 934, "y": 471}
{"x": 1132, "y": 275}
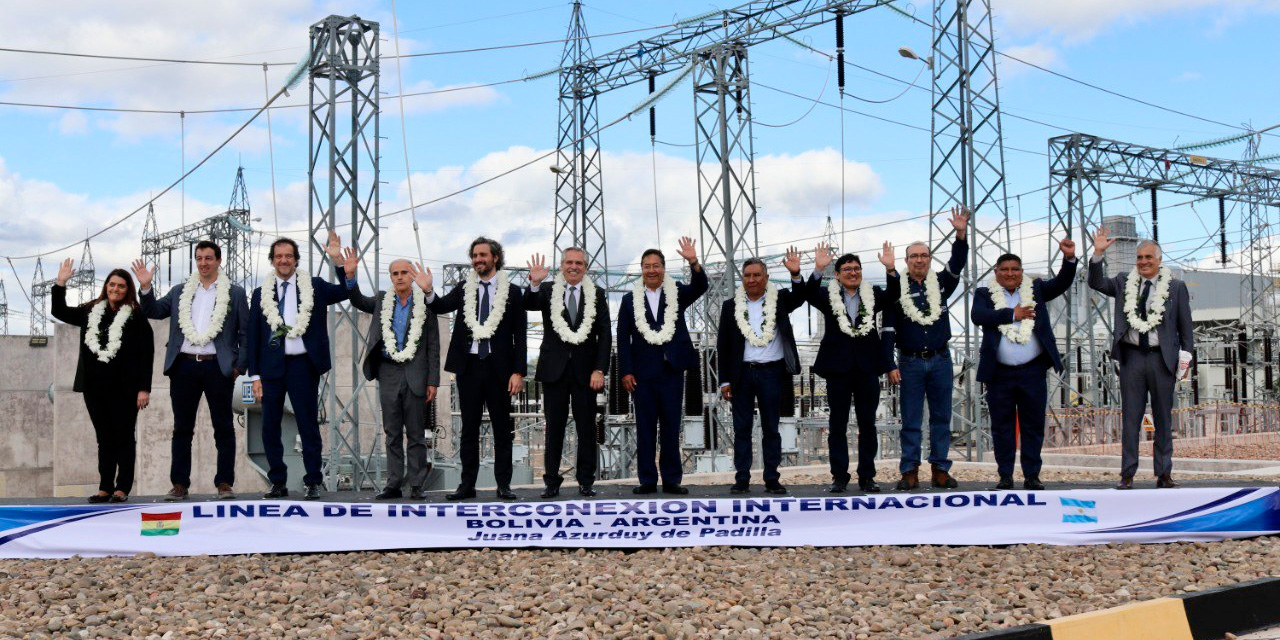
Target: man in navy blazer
{"x": 1018, "y": 348}
{"x": 201, "y": 359}
{"x": 652, "y": 359}
{"x": 283, "y": 362}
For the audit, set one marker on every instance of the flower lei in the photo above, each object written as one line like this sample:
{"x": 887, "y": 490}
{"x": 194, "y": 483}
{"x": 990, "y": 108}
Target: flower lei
{"x": 1155, "y": 302}
{"x": 770, "y": 324}
{"x": 306, "y": 300}
{"x": 866, "y": 297}
{"x": 417, "y": 317}
{"x": 558, "y": 321}
{"x": 933, "y": 298}
{"x": 114, "y": 333}
{"x": 668, "y": 328}
{"x": 220, "y": 306}
{"x": 1017, "y": 332}
{"x": 497, "y": 305}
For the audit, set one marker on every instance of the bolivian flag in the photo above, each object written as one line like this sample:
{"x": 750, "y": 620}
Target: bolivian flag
{"x": 161, "y": 524}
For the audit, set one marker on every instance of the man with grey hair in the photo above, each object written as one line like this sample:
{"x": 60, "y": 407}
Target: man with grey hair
{"x": 403, "y": 355}
{"x": 1152, "y": 343}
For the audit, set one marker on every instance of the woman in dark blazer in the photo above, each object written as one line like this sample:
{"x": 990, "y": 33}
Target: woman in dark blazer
{"x": 114, "y": 373}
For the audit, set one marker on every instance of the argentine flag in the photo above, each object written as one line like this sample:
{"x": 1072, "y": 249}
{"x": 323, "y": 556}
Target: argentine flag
{"x": 1079, "y": 510}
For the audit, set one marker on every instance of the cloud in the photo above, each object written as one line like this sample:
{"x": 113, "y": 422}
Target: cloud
{"x": 1188, "y": 76}
{"x": 1038, "y": 53}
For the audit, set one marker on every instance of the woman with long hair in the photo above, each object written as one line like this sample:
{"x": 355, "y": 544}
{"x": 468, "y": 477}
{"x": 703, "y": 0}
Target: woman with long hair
{"x": 114, "y": 372}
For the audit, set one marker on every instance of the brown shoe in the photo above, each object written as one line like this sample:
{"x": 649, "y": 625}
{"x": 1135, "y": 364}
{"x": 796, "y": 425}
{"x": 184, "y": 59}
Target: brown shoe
{"x": 910, "y": 480}
{"x": 1126, "y": 482}
{"x": 1165, "y": 481}
{"x": 225, "y": 492}
{"x": 178, "y": 492}
{"x": 942, "y": 479}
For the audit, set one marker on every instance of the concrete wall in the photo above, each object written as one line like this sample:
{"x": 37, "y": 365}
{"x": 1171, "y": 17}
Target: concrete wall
{"x": 26, "y": 419}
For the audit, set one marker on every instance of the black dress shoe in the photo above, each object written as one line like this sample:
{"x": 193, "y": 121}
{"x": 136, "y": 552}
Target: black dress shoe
{"x": 390, "y": 493}
{"x": 677, "y": 489}
{"x": 99, "y": 498}
{"x": 313, "y": 492}
{"x": 505, "y": 493}
{"x": 1006, "y": 482}
{"x": 868, "y": 485}
{"x": 461, "y": 493}
{"x": 1165, "y": 481}
{"x": 775, "y": 488}
{"x": 1126, "y": 482}
{"x": 645, "y": 488}
{"x": 586, "y": 491}
{"x": 550, "y": 492}
{"x": 122, "y": 497}
{"x": 740, "y": 487}
{"x": 276, "y": 491}
{"x": 416, "y": 493}
{"x": 838, "y": 487}
{"x": 1033, "y": 484}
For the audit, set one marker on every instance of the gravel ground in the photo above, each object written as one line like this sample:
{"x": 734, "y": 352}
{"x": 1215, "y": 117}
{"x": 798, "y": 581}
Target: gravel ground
{"x": 1241, "y": 451}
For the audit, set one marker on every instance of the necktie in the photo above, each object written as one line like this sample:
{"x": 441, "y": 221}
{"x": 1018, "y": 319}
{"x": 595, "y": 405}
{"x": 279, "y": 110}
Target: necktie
{"x": 571, "y": 306}
{"x": 284, "y": 291}
{"x": 1144, "y": 341}
{"x": 484, "y": 316}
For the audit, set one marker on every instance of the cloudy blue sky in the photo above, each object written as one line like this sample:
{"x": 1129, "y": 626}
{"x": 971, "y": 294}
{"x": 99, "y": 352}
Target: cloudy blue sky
{"x": 68, "y": 173}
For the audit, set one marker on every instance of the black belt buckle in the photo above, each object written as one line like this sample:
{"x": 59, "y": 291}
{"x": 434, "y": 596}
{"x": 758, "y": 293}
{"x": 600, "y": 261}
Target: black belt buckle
{"x": 763, "y": 365}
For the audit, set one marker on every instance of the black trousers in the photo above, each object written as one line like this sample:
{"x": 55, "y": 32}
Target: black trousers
{"x": 482, "y": 387}
{"x": 188, "y": 381}
{"x": 114, "y": 414}
{"x": 574, "y": 393}
{"x": 301, "y": 382}
{"x": 1018, "y": 394}
{"x": 761, "y": 384}
{"x": 862, "y": 390}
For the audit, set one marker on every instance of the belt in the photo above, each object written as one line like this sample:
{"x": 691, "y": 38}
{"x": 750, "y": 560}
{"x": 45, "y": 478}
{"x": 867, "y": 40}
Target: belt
{"x": 293, "y": 356}
{"x": 763, "y": 365}
{"x": 1155, "y": 349}
{"x": 198, "y": 357}
{"x": 1016, "y": 367}
{"x": 922, "y": 354}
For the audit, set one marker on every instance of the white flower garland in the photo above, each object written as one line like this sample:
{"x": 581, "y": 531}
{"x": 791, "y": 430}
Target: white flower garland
{"x": 770, "y": 324}
{"x": 497, "y": 303}
{"x": 1155, "y": 302}
{"x": 558, "y": 321}
{"x": 866, "y": 298}
{"x": 1017, "y": 332}
{"x": 668, "y": 328}
{"x": 417, "y": 318}
{"x": 933, "y": 298}
{"x": 306, "y": 300}
{"x": 114, "y": 333}
{"x": 220, "y": 306}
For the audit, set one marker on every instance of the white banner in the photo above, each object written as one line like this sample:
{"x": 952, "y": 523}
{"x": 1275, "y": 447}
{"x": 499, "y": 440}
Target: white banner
{"x": 953, "y": 518}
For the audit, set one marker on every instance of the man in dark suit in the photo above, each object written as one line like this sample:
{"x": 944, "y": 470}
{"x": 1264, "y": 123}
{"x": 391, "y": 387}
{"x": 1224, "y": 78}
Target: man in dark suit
{"x": 1018, "y": 348}
{"x": 208, "y": 318}
{"x": 852, "y": 357}
{"x": 403, "y": 355}
{"x": 487, "y": 354}
{"x": 756, "y": 357}
{"x": 1153, "y": 344}
{"x": 288, "y": 352}
{"x": 922, "y": 329}
{"x": 571, "y": 363}
{"x": 654, "y": 351}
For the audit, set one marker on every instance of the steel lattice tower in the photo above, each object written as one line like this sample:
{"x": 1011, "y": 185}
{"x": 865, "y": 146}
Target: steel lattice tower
{"x": 4, "y": 311}
{"x": 1257, "y": 289}
{"x": 343, "y": 171}
{"x": 230, "y": 229}
{"x": 82, "y": 280}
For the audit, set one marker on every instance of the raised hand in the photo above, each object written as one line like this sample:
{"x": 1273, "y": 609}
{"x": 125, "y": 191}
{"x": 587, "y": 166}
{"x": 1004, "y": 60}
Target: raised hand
{"x": 1101, "y": 240}
{"x": 64, "y": 272}
{"x": 792, "y": 261}
{"x": 822, "y": 256}
{"x": 960, "y": 221}
{"x": 687, "y": 251}
{"x": 143, "y": 274}
{"x": 1068, "y": 247}
{"x": 886, "y": 256}
{"x": 350, "y": 262}
{"x": 421, "y": 276}
{"x": 538, "y": 269}
{"x": 334, "y": 248}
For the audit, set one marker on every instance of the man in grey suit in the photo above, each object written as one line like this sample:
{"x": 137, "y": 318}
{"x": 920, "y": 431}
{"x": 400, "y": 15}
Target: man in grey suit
{"x": 208, "y": 317}
{"x": 1152, "y": 343}
{"x": 404, "y": 356}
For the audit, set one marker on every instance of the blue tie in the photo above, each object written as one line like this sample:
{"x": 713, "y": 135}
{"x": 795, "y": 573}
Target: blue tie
{"x": 284, "y": 291}
{"x": 484, "y": 316}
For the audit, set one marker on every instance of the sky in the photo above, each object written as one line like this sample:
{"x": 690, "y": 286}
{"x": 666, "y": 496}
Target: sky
{"x": 66, "y": 174}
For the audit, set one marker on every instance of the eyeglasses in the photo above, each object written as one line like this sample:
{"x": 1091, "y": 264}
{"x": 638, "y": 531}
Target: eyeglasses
{"x": 913, "y": 256}
{"x": 850, "y": 269}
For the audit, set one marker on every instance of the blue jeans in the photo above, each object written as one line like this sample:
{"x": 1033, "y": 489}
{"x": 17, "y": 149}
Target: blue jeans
{"x": 922, "y": 378}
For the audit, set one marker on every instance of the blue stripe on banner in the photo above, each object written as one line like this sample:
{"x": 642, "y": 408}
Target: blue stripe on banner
{"x": 1259, "y": 514}
{"x": 1070, "y": 518}
{"x": 1204, "y": 507}
{"x": 1084, "y": 504}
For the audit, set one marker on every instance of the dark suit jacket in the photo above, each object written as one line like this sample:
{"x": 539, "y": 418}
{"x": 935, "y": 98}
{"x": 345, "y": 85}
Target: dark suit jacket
{"x": 731, "y": 344}
{"x": 423, "y": 370}
{"x": 556, "y": 355}
{"x": 839, "y": 354}
{"x": 131, "y": 367}
{"x": 1174, "y": 330}
{"x": 637, "y": 357}
{"x": 231, "y": 341}
{"x": 267, "y": 360}
{"x": 985, "y": 315}
{"x": 507, "y": 347}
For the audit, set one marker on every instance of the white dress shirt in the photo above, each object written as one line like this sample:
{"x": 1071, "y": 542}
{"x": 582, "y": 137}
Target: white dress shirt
{"x": 480, "y": 295}
{"x": 1008, "y": 352}
{"x": 201, "y": 315}
{"x": 292, "y": 346}
{"x": 654, "y": 296}
{"x": 1153, "y": 337}
{"x": 771, "y": 352}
